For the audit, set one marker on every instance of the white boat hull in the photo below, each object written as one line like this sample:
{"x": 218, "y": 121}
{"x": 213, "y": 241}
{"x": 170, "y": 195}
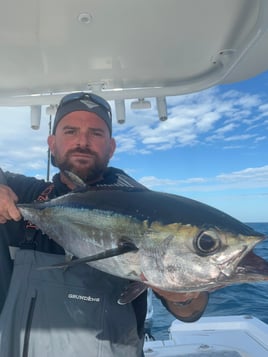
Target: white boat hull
{"x": 225, "y": 336}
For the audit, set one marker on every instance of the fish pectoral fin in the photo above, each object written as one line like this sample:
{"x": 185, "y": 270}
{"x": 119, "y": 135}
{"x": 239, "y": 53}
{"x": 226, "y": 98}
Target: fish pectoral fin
{"x": 124, "y": 246}
{"x": 131, "y": 292}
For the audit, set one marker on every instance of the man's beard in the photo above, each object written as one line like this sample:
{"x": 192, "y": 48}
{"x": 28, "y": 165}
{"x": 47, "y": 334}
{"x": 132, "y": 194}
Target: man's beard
{"x": 87, "y": 174}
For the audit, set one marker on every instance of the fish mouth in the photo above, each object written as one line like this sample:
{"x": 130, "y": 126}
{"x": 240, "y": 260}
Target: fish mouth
{"x": 251, "y": 269}
{"x": 253, "y": 266}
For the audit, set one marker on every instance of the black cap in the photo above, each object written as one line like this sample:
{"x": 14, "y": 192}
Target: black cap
{"x": 82, "y": 101}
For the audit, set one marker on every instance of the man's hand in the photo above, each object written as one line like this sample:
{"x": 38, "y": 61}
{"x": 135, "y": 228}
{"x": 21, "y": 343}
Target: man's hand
{"x": 187, "y": 307}
{"x": 8, "y": 209}
{"x": 176, "y": 297}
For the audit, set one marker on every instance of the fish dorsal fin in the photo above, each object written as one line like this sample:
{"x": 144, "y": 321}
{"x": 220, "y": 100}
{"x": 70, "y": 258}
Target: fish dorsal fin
{"x": 81, "y": 186}
{"x": 79, "y": 183}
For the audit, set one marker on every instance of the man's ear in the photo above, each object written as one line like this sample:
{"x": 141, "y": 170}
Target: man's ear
{"x": 51, "y": 143}
{"x": 112, "y": 147}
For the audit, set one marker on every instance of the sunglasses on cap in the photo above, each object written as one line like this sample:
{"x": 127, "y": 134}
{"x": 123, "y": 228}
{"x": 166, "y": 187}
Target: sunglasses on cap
{"x": 86, "y": 96}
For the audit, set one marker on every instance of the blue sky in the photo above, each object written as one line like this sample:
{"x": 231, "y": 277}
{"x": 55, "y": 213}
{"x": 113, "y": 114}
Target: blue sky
{"x": 213, "y": 147}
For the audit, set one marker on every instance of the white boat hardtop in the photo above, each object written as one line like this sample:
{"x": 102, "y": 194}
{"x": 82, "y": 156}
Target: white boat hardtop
{"x": 221, "y": 336}
{"x": 127, "y": 49}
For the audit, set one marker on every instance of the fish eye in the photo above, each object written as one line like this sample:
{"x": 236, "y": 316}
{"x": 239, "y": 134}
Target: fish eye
{"x": 207, "y": 242}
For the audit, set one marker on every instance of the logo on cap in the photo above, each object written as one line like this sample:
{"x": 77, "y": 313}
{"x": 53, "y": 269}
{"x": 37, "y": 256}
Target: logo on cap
{"x": 89, "y": 104}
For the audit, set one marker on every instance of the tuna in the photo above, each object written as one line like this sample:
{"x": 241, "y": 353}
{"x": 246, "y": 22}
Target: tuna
{"x": 162, "y": 240}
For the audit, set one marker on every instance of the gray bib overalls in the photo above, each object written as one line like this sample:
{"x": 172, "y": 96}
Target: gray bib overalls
{"x": 68, "y": 313}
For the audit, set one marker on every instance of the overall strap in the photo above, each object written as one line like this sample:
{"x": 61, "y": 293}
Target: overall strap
{"x": 30, "y": 228}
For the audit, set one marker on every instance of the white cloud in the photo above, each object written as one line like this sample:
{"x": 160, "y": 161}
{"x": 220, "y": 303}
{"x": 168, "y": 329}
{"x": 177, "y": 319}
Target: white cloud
{"x": 253, "y": 175}
{"x": 249, "y": 178}
{"x": 211, "y": 117}
{"x": 208, "y": 116}
{"x": 239, "y": 137}
{"x": 152, "y": 181}
{"x": 22, "y": 149}
{"x": 226, "y": 128}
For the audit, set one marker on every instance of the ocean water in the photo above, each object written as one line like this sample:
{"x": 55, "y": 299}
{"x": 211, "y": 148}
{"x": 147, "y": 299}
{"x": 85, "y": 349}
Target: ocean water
{"x": 241, "y": 299}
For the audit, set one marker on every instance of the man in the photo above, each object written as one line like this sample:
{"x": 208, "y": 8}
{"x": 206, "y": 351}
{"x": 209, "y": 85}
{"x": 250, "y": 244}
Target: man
{"x": 75, "y": 311}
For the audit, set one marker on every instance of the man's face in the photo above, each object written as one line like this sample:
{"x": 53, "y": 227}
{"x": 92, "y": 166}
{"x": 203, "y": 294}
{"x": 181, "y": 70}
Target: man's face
{"x": 82, "y": 145}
